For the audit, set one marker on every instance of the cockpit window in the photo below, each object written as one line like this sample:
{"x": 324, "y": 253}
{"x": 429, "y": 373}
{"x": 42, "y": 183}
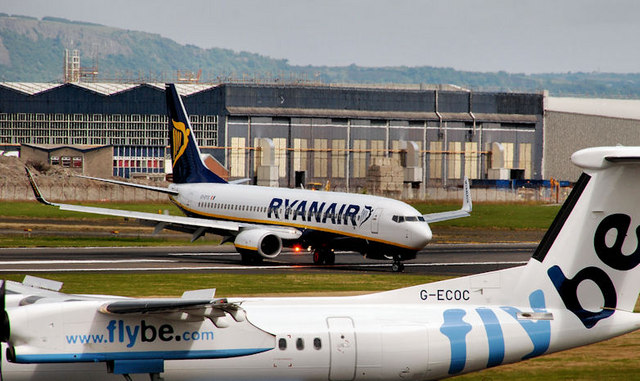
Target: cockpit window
{"x": 400, "y": 219}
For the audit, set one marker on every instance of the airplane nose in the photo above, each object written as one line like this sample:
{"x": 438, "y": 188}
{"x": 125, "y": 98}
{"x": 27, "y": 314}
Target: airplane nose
{"x": 423, "y": 233}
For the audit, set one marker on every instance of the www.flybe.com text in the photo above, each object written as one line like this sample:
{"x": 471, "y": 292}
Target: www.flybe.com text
{"x": 119, "y": 332}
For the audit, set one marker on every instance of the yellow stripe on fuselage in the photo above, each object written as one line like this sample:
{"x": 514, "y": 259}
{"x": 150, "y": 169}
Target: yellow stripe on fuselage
{"x": 293, "y": 225}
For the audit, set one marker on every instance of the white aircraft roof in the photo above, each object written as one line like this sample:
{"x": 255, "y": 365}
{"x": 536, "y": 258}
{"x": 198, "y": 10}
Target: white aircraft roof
{"x": 613, "y": 108}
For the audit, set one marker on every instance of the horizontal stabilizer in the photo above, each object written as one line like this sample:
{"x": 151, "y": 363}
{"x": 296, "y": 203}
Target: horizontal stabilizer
{"x": 141, "y": 306}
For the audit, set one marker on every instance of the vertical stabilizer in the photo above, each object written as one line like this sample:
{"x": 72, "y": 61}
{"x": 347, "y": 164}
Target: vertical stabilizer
{"x": 185, "y": 154}
{"x": 588, "y": 260}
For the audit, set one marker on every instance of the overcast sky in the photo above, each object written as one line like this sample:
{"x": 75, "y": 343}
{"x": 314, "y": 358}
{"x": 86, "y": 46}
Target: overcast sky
{"x": 512, "y": 35}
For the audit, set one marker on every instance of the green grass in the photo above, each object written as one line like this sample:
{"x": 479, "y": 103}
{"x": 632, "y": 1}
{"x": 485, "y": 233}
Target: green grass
{"x": 485, "y": 215}
{"x": 114, "y": 241}
{"x": 173, "y": 284}
{"x": 511, "y": 216}
{"x": 33, "y": 209}
{"x": 492, "y": 215}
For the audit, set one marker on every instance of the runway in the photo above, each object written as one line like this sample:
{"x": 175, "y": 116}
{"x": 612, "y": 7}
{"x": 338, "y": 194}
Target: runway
{"x": 434, "y": 260}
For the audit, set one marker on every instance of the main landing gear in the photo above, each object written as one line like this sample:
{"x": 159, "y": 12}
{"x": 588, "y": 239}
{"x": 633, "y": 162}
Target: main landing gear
{"x": 328, "y": 257}
{"x": 397, "y": 266}
{"x": 250, "y": 258}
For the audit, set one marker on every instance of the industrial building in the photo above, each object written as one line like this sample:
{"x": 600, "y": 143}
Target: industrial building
{"x": 575, "y": 123}
{"x": 319, "y": 133}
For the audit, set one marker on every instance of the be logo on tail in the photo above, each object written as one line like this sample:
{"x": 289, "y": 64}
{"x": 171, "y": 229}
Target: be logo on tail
{"x": 612, "y": 256}
{"x": 180, "y": 140}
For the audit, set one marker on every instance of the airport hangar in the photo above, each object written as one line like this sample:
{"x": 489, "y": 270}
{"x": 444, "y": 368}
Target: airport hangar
{"x": 320, "y": 132}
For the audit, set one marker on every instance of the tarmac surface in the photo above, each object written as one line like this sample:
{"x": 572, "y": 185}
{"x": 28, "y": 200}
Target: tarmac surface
{"x": 435, "y": 259}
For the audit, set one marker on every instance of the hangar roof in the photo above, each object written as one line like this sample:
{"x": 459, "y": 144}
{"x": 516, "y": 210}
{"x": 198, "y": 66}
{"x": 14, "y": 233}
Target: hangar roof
{"x": 104, "y": 88}
{"x": 612, "y": 108}
{"x": 29, "y": 88}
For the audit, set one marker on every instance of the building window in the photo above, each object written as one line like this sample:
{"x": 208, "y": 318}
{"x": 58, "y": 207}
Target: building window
{"x": 77, "y": 162}
{"x": 508, "y": 154}
{"x": 359, "y": 158}
{"x": 55, "y": 160}
{"x": 524, "y": 159}
{"x": 471, "y": 159}
{"x": 320, "y": 158}
{"x": 455, "y": 160}
{"x": 66, "y": 161}
{"x": 338, "y": 156}
{"x": 238, "y": 157}
{"x": 435, "y": 160}
{"x": 280, "y": 146}
{"x": 299, "y": 154}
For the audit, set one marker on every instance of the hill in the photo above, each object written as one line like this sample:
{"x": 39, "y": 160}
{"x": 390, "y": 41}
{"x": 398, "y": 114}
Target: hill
{"x": 32, "y": 50}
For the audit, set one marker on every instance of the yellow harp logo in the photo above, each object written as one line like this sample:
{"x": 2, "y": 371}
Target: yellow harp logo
{"x": 180, "y": 140}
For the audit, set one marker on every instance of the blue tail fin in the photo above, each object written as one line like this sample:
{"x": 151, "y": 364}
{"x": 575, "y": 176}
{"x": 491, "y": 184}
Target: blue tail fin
{"x": 185, "y": 154}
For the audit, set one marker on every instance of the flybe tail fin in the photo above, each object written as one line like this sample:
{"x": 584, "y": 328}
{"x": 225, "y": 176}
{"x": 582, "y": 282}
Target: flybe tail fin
{"x": 588, "y": 260}
{"x": 185, "y": 154}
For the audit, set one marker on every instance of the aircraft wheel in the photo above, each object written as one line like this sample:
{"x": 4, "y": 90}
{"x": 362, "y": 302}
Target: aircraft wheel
{"x": 397, "y": 267}
{"x": 318, "y": 258}
{"x": 249, "y": 258}
{"x": 330, "y": 258}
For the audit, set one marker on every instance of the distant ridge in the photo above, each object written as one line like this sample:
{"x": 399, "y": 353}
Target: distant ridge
{"x": 31, "y": 50}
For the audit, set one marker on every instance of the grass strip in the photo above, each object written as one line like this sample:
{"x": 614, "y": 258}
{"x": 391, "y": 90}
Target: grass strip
{"x": 174, "y": 284}
{"x": 33, "y": 209}
{"x": 484, "y": 215}
{"x": 115, "y": 241}
{"x": 493, "y": 215}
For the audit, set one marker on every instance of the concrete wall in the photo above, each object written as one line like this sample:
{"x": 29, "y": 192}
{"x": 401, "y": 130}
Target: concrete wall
{"x": 566, "y": 133}
{"x": 67, "y": 189}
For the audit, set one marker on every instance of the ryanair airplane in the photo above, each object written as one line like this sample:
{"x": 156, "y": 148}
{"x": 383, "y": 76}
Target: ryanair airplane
{"x": 260, "y": 221}
{"x": 579, "y": 287}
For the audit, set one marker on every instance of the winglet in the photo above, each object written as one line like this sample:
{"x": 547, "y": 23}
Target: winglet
{"x": 465, "y": 211}
{"x": 36, "y": 191}
{"x": 467, "y": 205}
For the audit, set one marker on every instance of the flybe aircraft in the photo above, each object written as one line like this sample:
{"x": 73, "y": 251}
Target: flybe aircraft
{"x": 579, "y": 287}
{"x": 261, "y": 220}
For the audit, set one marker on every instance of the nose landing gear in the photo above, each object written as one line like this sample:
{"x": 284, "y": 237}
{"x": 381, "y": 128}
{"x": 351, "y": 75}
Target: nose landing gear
{"x": 397, "y": 266}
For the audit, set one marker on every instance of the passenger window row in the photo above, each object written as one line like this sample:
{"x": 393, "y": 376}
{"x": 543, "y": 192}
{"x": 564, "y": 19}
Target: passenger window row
{"x": 222, "y": 206}
{"x": 317, "y": 344}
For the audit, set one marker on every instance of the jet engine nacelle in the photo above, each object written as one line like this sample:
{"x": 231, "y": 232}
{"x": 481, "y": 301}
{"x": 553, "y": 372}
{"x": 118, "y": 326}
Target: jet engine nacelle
{"x": 259, "y": 241}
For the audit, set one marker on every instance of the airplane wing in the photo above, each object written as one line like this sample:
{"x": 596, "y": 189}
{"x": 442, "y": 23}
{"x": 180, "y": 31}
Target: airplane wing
{"x": 134, "y": 185}
{"x": 465, "y": 211}
{"x": 196, "y": 226}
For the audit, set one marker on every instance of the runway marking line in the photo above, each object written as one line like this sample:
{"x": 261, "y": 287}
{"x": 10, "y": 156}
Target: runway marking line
{"x": 276, "y": 267}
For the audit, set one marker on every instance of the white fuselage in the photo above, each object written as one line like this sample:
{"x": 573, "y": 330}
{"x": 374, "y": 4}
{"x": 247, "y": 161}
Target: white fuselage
{"x": 359, "y": 216}
{"x": 352, "y": 338}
